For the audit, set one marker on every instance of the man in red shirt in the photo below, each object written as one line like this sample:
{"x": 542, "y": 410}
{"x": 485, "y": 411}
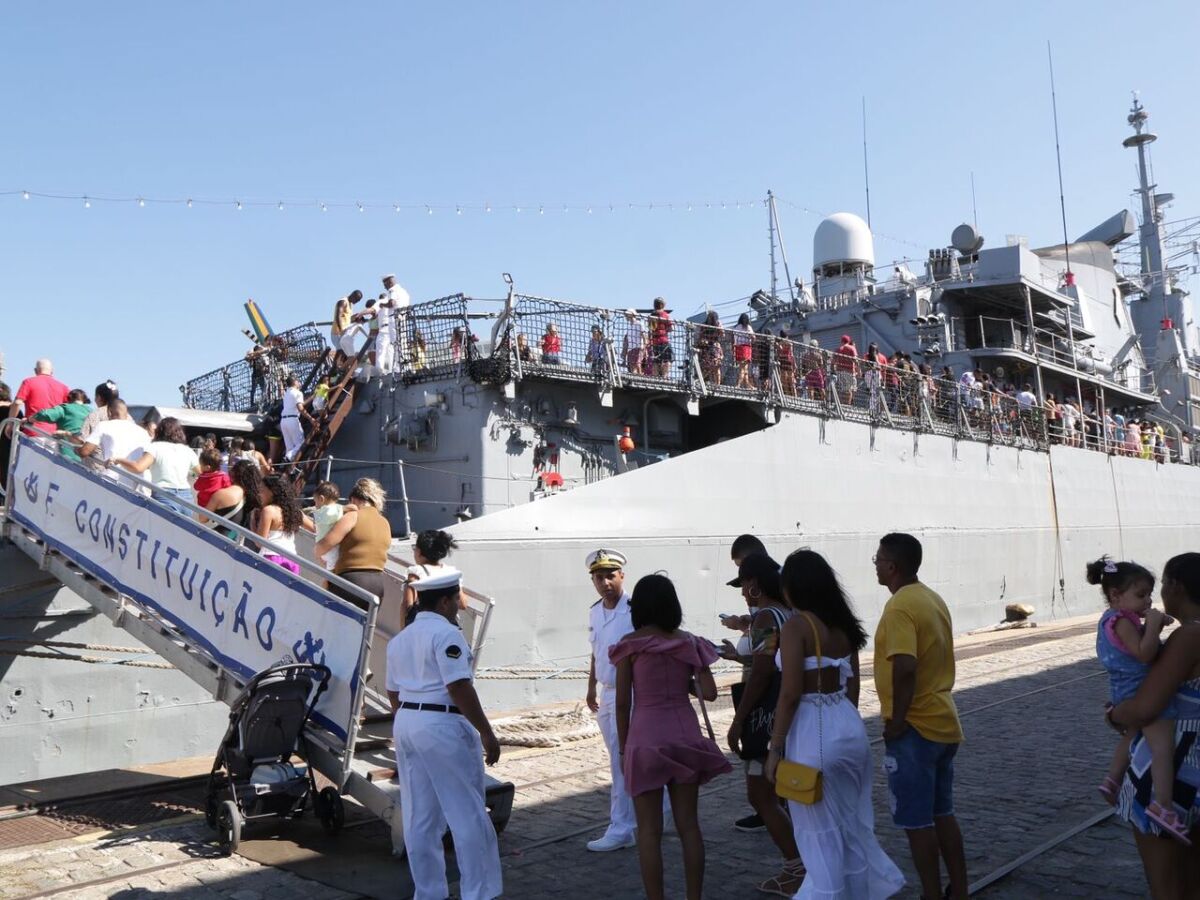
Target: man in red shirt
{"x": 846, "y": 369}
{"x": 40, "y": 391}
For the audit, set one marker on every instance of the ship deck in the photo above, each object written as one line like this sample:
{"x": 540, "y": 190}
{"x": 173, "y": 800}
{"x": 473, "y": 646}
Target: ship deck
{"x": 1032, "y": 822}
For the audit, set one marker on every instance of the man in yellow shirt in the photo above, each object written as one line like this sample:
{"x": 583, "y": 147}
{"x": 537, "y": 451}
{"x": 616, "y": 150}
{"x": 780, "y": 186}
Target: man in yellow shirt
{"x": 914, "y": 675}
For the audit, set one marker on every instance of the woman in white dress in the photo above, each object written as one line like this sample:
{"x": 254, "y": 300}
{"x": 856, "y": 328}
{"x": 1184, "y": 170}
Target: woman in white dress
{"x": 817, "y": 724}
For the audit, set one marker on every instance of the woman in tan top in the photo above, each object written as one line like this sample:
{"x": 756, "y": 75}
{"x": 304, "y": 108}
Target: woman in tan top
{"x": 363, "y": 537}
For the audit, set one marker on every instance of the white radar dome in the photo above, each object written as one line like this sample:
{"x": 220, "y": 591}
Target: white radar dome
{"x": 843, "y": 238}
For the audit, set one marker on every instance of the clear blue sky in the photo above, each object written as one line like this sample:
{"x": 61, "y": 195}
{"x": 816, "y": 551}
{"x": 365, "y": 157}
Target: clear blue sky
{"x": 527, "y": 103}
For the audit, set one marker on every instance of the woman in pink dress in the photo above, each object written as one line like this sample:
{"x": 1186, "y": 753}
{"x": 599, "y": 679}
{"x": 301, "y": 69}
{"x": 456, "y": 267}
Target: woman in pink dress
{"x": 660, "y": 739}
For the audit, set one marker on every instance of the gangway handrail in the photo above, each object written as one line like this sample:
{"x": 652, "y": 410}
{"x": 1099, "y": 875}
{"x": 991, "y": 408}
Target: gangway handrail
{"x": 342, "y": 755}
{"x": 488, "y": 603}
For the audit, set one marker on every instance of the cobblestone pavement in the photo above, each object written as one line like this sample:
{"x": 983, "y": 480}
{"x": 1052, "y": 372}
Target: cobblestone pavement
{"x": 1036, "y": 746}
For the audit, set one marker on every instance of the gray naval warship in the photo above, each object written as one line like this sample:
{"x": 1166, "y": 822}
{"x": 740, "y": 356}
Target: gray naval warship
{"x": 537, "y": 430}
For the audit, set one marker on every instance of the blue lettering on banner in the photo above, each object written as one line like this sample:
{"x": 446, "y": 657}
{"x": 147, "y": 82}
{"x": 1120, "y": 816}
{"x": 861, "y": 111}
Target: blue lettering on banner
{"x": 112, "y": 524}
{"x": 122, "y": 540}
{"x": 239, "y": 615}
{"x": 266, "y": 642}
{"x": 172, "y": 555}
{"x": 187, "y": 585}
{"x": 142, "y": 537}
{"x": 218, "y": 616}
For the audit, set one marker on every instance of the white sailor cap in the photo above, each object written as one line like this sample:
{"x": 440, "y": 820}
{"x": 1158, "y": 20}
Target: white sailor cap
{"x": 604, "y": 559}
{"x": 448, "y": 580}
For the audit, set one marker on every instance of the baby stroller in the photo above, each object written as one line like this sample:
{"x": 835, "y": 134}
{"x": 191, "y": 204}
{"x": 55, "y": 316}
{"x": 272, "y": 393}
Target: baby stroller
{"x": 253, "y": 776}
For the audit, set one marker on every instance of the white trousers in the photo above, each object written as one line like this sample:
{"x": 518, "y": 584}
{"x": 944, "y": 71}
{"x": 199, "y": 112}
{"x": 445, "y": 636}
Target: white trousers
{"x": 439, "y": 760}
{"x": 385, "y": 354}
{"x": 293, "y": 436}
{"x": 622, "y": 820}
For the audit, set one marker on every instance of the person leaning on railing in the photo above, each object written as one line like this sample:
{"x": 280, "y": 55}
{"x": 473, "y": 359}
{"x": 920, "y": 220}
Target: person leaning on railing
{"x": 170, "y": 462}
{"x": 709, "y": 349}
{"x": 363, "y": 537}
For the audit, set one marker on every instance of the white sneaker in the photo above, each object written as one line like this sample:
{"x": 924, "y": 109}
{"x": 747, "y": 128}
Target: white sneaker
{"x": 611, "y": 842}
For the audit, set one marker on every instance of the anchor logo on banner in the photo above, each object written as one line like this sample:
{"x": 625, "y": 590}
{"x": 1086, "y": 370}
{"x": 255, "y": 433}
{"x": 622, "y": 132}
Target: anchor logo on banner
{"x": 31, "y": 487}
{"x": 312, "y": 646}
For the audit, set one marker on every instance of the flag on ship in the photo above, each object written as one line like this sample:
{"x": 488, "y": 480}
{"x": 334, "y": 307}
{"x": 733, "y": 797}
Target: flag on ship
{"x": 258, "y": 322}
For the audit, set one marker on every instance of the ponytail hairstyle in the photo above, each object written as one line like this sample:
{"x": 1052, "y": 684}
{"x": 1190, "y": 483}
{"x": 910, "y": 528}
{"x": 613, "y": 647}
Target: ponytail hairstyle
{"x": 1118, "y": 576}
{"x": 1185, "y": 569}
{"x": 106, "y": 393}
{"x": 435, "y": 545}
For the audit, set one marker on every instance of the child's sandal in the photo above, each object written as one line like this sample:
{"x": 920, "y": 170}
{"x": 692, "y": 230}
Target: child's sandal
{"x": 1108, "y": 790}
{"x": 1169, "y": 821}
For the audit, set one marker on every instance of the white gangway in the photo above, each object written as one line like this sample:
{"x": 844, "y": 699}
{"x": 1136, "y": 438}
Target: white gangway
{"x": 217, "y": 610}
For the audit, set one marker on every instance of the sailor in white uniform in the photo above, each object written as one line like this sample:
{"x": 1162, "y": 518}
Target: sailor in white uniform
{"x": 438, "y": 729}
{"x": 396, "y": 333}
{"x": 608, "y": 622}
{"x": 289, "y": 419}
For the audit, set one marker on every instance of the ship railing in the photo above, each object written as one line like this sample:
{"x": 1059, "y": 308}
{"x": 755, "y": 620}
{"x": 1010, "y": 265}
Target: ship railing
{"x": 435, "y": 339}
{"x": 253, "y": 383}
{"x": 575, "y": 342}
{"x": 91, "y": 524}
{"x": 610, "y": 348}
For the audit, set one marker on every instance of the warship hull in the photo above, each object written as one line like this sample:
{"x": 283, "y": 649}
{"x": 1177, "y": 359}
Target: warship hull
{"x": 999, "y": 525}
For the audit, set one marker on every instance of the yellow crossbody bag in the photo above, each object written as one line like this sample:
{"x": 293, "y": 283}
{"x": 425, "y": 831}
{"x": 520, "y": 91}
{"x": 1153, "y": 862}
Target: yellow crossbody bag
{"x": 796, "y": 781}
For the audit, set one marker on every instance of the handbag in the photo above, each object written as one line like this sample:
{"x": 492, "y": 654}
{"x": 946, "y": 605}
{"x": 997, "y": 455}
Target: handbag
{"x": 757, "y": 727}
{"x": 795, "y": 781}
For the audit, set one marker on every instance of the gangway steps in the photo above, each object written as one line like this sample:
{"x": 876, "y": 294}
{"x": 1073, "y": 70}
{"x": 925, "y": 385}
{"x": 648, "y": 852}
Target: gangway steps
{"x": 369, "y": 778}
{"x": 350, "y": 742}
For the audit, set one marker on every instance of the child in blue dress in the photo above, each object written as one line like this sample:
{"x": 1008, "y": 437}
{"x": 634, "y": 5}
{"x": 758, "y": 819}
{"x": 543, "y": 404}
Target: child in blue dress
{"x": 1127, "y": 641}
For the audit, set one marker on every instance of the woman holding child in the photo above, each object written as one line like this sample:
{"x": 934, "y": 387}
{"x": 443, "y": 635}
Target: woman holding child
{"x": 1169, "y": 855}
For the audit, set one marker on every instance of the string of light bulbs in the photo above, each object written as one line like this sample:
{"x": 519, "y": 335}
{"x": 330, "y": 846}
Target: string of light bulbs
{"x": 428, "y": 208}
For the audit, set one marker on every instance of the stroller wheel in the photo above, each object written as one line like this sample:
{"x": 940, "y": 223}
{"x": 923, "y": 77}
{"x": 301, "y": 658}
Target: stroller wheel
{"x": 229, "y": 827}
{"x": 330, "y": 809}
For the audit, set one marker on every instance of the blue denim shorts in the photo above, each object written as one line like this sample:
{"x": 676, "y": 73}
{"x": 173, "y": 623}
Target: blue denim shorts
{"x": 920, "y": 776}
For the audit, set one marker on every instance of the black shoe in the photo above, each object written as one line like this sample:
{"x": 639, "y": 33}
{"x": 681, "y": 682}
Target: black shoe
{"x": 752, "y": 822}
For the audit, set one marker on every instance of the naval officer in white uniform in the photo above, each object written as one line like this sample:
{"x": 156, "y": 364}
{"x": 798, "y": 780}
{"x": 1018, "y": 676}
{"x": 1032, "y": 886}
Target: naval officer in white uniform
{"x": 608, "y": 622}
{"x": 438, "y": 729}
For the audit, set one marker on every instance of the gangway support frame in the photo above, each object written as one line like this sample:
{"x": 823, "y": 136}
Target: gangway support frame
{"x": 353, "y": 770}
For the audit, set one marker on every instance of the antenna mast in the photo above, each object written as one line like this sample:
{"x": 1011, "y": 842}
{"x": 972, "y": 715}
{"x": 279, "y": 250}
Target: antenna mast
{"x": 974, "y": 208}
{"x": 771, "y": 234}
{"x": 1062, "y": 200}
{"x": 776, "y": 232}
{"x": 866, "y": 171}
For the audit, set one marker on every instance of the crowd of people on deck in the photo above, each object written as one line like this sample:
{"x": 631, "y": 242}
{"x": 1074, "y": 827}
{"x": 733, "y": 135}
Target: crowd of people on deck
{"x": 741, "y": 358}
